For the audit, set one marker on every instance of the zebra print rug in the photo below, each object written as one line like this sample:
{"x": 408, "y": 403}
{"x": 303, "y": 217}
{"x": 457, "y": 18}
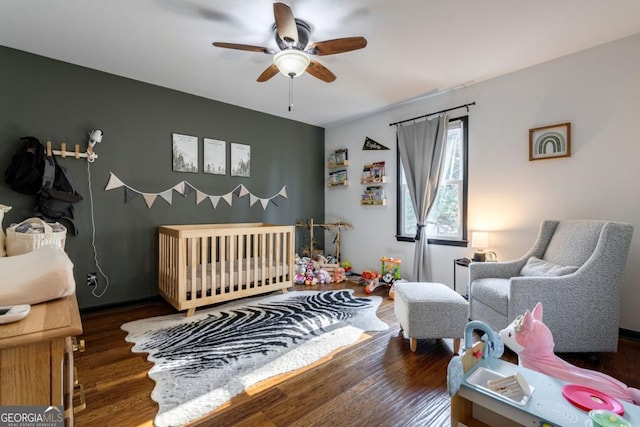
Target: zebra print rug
{"x": 203, "y": 361}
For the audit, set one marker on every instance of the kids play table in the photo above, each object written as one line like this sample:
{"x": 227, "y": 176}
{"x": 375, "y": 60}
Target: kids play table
{"x": 475, "y": 406}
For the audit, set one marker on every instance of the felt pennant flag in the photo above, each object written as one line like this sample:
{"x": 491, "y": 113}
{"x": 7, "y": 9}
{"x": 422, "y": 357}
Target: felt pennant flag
{"x": 227, "y": 198}
{"x": 149, "y": 199}
{"x": 167, "y": 195}
{"x": 370, "y": 144}
{"x": 242, "y": 191}
{"x": 283, "y": 192}
{"x": 130, "y": 194}
{"x": 114, "y": 182}
{"x": 265, "y": 203}
{"x": 180, "y": 188}
{"x": 188, "y": 189}
{"x": 200, "y": 196}
{"x": 252, "y": 199}
{"x": 214, "y": 201}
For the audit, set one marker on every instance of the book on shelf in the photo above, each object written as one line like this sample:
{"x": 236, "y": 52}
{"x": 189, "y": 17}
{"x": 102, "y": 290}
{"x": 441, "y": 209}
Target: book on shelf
{"x": 338, "y": 177}
{"x": 338, "y": 157}
{"x": 373, "y": 172}
{"x": 373, "y": 194}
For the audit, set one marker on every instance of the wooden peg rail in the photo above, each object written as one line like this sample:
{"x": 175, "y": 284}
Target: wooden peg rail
{"x": 89, "y": 154}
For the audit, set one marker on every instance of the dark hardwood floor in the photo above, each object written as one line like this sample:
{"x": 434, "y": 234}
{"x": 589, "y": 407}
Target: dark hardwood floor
{"x": 375, "y": 382}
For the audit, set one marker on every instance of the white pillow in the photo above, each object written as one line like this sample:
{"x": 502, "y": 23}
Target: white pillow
{"x": 3, "y": 209}
{"x": 539, "y": 267}
{"x": 42, "y": 275}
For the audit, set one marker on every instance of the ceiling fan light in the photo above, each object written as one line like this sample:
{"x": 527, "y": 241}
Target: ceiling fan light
{"x": 291, "y": 62}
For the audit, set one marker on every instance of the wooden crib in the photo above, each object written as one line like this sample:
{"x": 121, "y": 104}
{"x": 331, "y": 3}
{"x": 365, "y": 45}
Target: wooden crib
{"x": 205, "y": 264}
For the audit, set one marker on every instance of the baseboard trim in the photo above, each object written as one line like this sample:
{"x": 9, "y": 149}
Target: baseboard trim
{"x": 629, "y": 334}
{"x": 118, "y": 305}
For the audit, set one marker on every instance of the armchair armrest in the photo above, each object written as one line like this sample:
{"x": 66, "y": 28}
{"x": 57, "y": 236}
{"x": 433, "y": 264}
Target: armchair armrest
{"x": 500, "y": 270}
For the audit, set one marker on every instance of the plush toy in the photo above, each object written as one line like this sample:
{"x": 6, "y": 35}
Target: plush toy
{"x": 323, "y": 276}
{"x": 339, "y": 275}
{"x": 533, "y": 342}
{"x": 310, "y": 274}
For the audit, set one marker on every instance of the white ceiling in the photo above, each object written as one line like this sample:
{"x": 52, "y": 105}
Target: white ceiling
{"x": 415, "y": 47}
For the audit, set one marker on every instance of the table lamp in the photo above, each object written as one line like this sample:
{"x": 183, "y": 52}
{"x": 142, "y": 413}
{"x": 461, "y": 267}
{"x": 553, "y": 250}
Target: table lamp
{"x": 479, "y": 241}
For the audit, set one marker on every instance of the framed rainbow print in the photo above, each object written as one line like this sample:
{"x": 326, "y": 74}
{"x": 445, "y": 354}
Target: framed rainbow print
{"x": 549, "y": 142}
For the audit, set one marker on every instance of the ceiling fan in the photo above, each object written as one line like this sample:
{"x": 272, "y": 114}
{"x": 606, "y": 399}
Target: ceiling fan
{"x": 292, "y": 37}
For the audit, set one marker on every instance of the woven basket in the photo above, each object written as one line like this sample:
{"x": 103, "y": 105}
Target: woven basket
{"x": 21, "y": 243}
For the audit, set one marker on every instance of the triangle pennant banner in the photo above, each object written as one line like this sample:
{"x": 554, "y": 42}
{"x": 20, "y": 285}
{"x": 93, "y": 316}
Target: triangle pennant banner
{"x": 370, "y": 144}
{"x": 184, "y": 188}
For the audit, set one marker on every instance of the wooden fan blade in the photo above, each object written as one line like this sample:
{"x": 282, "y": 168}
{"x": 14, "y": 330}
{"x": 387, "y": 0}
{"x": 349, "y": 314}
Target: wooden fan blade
{"x": 331, "y": 47}
{"x": 321, "y": 72}
{"x": 285, "y": 23}
{"x": 271, "y": 71}
{"x": 248, "y": 47}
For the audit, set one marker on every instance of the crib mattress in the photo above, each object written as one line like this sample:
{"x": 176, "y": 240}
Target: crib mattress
{"x": 245, "y": 271}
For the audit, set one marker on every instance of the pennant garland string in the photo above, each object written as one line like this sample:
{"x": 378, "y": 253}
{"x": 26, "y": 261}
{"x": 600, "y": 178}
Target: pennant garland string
{"x": 184, "y": 188}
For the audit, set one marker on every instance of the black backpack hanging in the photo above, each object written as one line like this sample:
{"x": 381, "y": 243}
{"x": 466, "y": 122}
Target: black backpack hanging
{"x": 57, "y": 194}
{"x": 24, "y": 174}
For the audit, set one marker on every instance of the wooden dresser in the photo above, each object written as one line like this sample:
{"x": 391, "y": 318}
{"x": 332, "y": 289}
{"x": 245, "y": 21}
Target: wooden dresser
{"x": 36, "y": 356}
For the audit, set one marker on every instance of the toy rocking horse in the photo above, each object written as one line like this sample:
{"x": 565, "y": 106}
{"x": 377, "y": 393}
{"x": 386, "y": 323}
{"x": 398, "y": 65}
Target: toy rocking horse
{"x": 533, "y": 342}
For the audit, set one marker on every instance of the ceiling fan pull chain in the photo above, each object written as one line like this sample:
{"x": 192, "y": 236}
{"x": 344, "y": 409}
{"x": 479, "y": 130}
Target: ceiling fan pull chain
{"x": 291, "y": 93}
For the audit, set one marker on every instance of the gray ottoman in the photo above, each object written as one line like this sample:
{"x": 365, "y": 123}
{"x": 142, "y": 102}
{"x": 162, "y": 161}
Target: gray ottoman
{"x": 430, "y": 310}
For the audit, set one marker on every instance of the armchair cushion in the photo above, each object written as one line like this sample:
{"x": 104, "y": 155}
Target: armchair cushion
{"x": 539, "y": 267}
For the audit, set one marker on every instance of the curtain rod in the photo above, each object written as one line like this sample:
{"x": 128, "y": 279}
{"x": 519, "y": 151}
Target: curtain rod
{"x": 433, "y": 114}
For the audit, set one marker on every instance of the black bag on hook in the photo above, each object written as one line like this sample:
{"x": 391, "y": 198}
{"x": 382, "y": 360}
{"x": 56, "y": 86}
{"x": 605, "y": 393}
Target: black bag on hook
{"x": 57, "y": 194}
{"x": 24, "y": 174}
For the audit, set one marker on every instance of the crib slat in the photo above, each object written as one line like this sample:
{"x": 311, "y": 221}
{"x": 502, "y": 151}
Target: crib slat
{"x": 215, "y": 254}
{"x": 263, "y": 248}
{"x": 276, "y": 274}
{"x": 193, "y": 264}
{"x": 223, "y": 264}
{"x": 256, "y": 254}
{"x": 204, "y": 271}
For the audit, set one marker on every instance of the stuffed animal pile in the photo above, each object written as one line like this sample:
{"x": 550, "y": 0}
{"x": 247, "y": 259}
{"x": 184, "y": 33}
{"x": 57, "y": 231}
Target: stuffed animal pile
{"x": 532, "y": 340}
{"x": 310, "y": 272}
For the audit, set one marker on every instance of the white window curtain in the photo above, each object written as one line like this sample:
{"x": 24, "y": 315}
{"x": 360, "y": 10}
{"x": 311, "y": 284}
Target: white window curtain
{"x": 421, "y": 148}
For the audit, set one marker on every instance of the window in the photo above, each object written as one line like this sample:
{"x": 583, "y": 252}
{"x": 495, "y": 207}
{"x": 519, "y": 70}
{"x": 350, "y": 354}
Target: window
{"x": 447, "y": 221}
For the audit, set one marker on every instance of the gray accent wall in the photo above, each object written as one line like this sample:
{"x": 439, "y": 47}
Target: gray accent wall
{"x": 61, "y": 102}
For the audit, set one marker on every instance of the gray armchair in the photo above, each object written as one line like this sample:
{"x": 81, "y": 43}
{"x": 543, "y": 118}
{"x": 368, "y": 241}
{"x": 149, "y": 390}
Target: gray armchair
{"x": 574, "y": 269}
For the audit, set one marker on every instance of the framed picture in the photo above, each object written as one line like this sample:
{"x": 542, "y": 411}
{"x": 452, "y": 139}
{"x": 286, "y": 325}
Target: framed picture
{"x": 240, "y": 160}
{"x": 215, "y": 156}
{"x": 185, "y": 153}
{"x": 549, "y": 142}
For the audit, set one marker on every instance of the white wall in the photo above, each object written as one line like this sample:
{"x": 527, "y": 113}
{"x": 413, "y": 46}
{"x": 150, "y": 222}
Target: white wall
{"x": 597, "y": 90}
